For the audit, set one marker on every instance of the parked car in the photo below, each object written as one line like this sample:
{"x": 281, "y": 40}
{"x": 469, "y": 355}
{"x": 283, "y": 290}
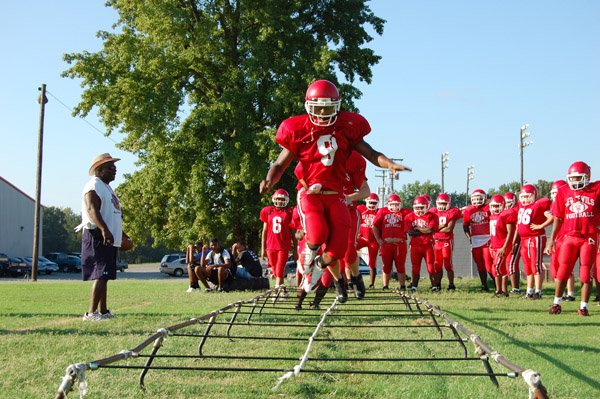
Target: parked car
{"x": 4, "y": 264}
{"x": 364, "y": 269}
{"x": 18, "y": 267}
{"x": 122, "y": 265}
{"x": 44, "y": 265}
{"x": 66, "y": 263}
{"x": 174, "y": 265}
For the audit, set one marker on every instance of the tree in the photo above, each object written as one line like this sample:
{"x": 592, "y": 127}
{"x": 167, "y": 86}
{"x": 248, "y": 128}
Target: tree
{"x": 58, "y": 234}
{"x": 198, "y": 87}
{"x": 412, "y": 190}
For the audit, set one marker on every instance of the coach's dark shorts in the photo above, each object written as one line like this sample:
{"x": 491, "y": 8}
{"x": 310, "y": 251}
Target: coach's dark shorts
{"x": 98, "y": 261}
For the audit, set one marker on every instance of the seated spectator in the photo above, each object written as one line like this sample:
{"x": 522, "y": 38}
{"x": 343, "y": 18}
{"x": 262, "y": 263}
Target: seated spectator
{"x": 248, "y": 264}
{"x": 193, "y": 257}
{"x": 216, "y": 266}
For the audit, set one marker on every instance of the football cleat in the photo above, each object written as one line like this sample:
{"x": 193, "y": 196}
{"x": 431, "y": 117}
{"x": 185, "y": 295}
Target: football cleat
{"x": 342, "y": 293}
{"x": 555, "y": 309}
{"x": 583, "y": 312}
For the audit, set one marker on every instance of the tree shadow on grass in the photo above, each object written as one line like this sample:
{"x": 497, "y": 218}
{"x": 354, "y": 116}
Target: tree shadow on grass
{"x": 559, "y": 364}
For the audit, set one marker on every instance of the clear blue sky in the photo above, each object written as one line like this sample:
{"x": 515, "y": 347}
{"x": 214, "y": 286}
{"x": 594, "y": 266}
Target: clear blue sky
{"x": 456, "y": 76}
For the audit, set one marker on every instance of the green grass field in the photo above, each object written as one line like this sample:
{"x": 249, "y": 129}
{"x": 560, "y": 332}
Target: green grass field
{"x": 42, "y": 333}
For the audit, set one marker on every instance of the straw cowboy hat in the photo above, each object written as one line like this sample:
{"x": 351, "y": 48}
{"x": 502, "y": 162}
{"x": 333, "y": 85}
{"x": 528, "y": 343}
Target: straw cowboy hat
{"x": 101, "y": 160}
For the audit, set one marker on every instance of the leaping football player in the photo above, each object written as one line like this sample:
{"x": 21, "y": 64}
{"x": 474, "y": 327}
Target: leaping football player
{"x": 322, "y": 140}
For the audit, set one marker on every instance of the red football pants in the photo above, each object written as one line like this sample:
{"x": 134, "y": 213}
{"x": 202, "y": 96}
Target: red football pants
{"x": 584, "y": 248}
{"x": 326, "y": 220}
{"x": 531, "y": 253}
{"x": 277, "y": 260}
{"x": 393, "y": 254}
{"x": 442, "y": 250}
{"x": 418, "y": 252}
{"x": 482, "y": 258}
{"x": 373, "y": 248}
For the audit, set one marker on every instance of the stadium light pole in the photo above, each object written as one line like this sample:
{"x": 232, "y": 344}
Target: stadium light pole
{"x": 523, "y": 134}
{"x": 470, "y": 176}
{"x": 445, "y": 159}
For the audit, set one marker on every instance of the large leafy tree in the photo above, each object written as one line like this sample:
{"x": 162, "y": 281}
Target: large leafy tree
{"x": 199, "y": 86}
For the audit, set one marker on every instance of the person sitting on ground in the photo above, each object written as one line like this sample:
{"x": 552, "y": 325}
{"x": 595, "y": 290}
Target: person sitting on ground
{"x": 248, "y": 264}
{"x": 193, "y": 257}
{"x": 216, "y": 267}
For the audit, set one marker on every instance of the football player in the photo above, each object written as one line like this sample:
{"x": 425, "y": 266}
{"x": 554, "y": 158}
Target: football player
{"x": 444, "y": 236}
{"x": 576, "y": 210}
{"x": 366, "y": 238}
{"x": 476, "y": 225}
{"x": 502, "y": 230}
{"x": 322, "y": 140}
{"x": 277, "y": 235}
{"x": 390, "y": 234}
{"x": 420, "y": 226}
{"x": 532, "y": 214}
{"x": 513, "y": 258}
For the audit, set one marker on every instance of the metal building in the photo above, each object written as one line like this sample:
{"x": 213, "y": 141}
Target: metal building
{"x": 16, "y": 221}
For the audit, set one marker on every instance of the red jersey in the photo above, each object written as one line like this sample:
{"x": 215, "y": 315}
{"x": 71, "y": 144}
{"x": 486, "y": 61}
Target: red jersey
{"x": 429, "y": 219}
{"x": 356, "y": 167}
{"x": 279, "y": 235}
{"x": 323, "y": 150}
{"x": 445, "y": 217}
{"x": 532, "y": 213}
{"x": 391, "y": 224}
{"x": 498, "y": 229}
{"x": 367, "y": 217}
{"x": 579, "y": 209}
{"x": 478, "y": 219}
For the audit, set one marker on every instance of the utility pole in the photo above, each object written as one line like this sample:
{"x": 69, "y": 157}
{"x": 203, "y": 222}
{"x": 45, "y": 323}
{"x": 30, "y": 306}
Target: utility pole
{"x": 523, "y": 134}
{"x": 470, "y": 176}
{"x": 382, "y": 187}
{"x": 445, "y": 160}
{"x": 394, "y": 176}
{"x": 42, "y": 100}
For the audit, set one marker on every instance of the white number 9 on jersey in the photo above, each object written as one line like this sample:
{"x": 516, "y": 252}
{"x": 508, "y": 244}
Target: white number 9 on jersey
{"x": 327, "y": 146}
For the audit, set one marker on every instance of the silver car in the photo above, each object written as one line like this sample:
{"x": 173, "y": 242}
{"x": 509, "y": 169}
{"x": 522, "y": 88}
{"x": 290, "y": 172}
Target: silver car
{"x": 44, "y": 265}
{"x": 174, "y": 265}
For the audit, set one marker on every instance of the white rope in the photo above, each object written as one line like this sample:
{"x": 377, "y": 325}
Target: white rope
{"x": 83, "y": 386}
{"x": 297, "y": 368}
{"x": 532, "y": 378}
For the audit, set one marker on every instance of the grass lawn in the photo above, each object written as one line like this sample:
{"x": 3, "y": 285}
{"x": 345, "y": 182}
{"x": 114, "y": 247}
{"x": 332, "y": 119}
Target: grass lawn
{"x": 42, "y": 334}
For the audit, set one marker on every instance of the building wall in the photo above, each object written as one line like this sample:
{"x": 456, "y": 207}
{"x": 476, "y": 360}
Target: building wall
{"x": 16, "y": 221}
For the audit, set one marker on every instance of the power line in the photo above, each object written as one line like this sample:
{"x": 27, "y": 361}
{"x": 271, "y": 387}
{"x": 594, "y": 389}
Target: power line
{"x": 82, "y": 118}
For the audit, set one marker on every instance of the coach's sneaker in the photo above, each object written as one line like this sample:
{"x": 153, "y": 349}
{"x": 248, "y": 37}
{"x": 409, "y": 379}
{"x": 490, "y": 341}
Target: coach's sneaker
{"x": 192, "y": 289}
{"x": 555, "y": 309}
{"x": 340, "y": 288}
{"x": 92, "y": 317}
{"x": 107, "y": 315}
{"x": 359, "y": 286}
{"x": 583, "y": 312}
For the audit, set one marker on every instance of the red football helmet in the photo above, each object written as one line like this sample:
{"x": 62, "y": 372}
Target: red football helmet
{"x": 442, "y": 202}
{"x": 478, "y": 197}
{"x": 510, "y": 200}
{"x": 372, "y": 201}
{"x": 578, "y": 175}
{"x": 497, "y": 204}
{"x": 394, "y": 203}
{"x": 428, "y": 198}
{"x": 528, "y": 194}
{"x": 554, "y": 189}
{"x": 280, "y": 198}
{"x": 420, "y": 205}
{"x": 322, "y": 103}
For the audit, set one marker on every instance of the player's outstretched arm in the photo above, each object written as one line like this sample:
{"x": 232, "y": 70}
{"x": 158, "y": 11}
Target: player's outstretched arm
{"x": 379, "y": 159}
{"x": 276, "y": 171}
